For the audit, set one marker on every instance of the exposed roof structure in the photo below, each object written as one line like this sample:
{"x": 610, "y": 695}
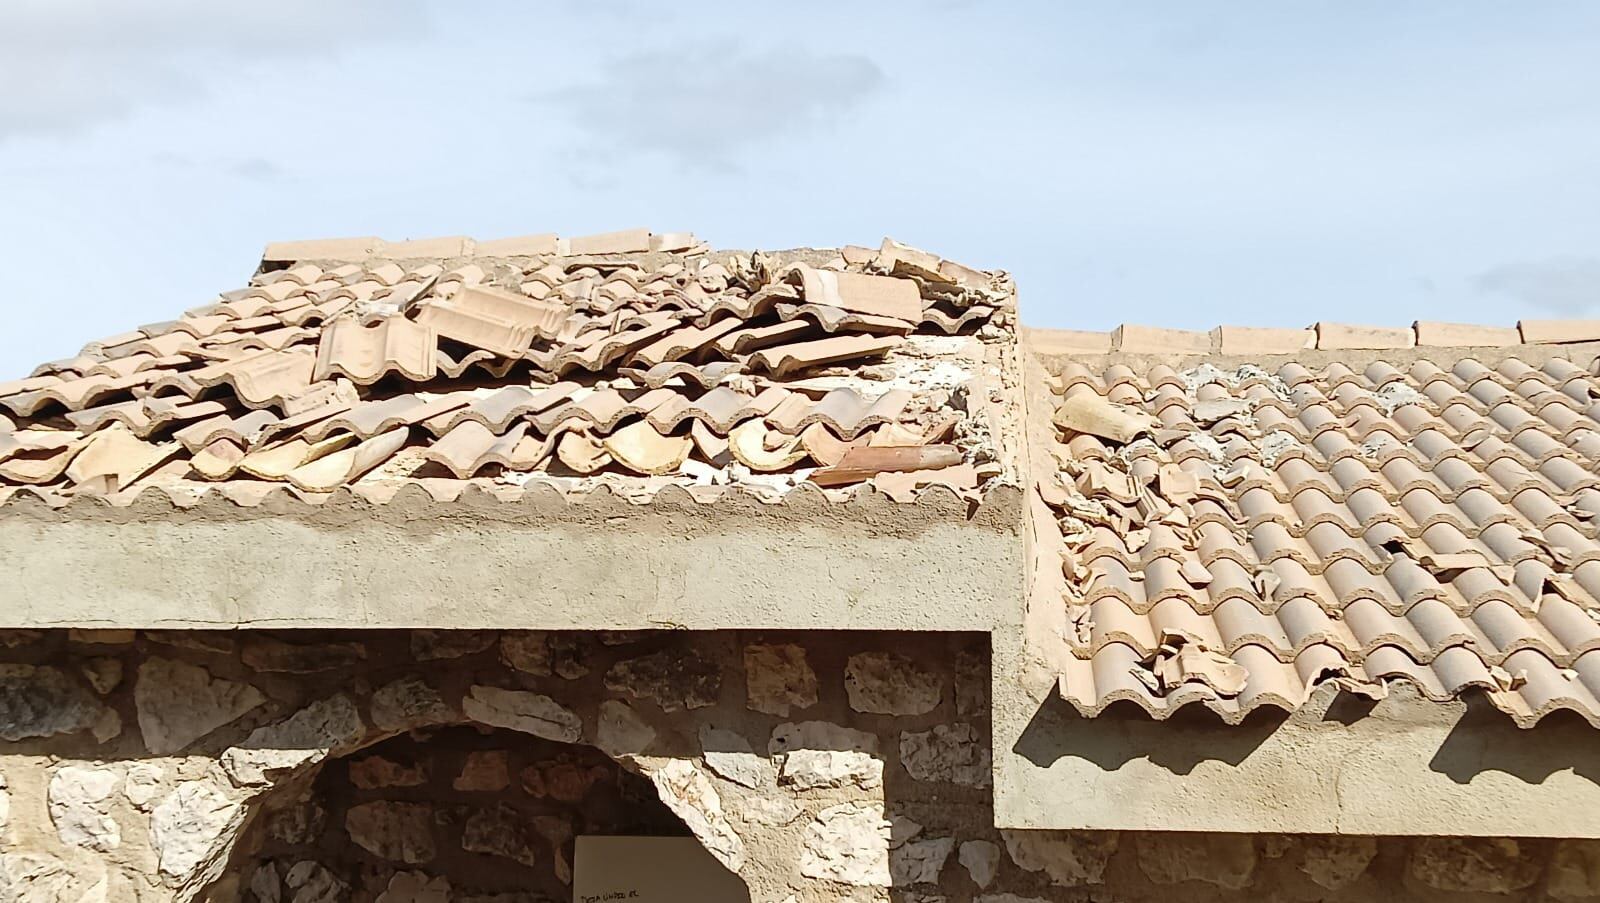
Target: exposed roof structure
{"x": 628, "y": 360}
{"x": 1236, "y": 535}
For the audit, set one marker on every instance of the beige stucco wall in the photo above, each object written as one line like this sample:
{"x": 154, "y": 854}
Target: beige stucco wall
{"x": 1404, "y": 766}
{"x": 538, "y": 563}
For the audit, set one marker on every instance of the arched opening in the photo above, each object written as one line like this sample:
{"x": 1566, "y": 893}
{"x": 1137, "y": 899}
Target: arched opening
{"x": 443, "y": 813}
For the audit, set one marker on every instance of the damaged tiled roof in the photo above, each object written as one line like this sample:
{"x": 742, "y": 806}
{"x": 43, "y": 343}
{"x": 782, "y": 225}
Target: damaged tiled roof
{"x": 630, "y": 360}
{"x": 1236, "y": 536}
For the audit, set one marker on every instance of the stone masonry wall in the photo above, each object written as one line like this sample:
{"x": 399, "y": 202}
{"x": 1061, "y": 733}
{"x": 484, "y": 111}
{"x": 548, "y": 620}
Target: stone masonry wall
{"x": 464, "y": 807}
{"x": 818, "y": 766}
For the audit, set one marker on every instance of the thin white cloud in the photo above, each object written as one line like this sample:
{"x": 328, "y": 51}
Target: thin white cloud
{"x": 1569, "y": 286}
{"x": 704, "y": 106}
{"x": 69, "y": 64}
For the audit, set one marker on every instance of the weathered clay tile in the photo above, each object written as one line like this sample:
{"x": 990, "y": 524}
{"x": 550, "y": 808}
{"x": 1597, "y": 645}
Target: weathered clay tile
{"x": 642, "y": 449}
{"x": 493, "y": 319}
{"x": 39, "y": 456}
{"x": 764, "y": 451}
{"x": 497, "y": 410}
{"x": 786, "y": 359}
{"x": 370, "y": 418}
{"x": 114, "y": 453}
{"x": 470, "y": 446}
{"x": 349, "y": 463}
{"x": 884, "y": 296}
{"x": 844, "y": 410}
{"x": 318, "y": 371}
{"x": 366, "y": 354}
{"x": 859, "y": 464}
{"x": 1406, "y": 525}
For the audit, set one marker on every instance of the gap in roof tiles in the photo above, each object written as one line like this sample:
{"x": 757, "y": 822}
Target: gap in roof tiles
{"x": 1237, "y": 536}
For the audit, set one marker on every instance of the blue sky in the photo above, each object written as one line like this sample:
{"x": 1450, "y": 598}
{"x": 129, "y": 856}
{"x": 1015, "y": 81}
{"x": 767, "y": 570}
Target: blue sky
{"x": 1181, "y": 163}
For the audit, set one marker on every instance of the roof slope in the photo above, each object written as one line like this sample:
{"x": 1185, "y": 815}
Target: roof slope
{"x": 1236, "y": 536}
{"x": 631, "y": 360}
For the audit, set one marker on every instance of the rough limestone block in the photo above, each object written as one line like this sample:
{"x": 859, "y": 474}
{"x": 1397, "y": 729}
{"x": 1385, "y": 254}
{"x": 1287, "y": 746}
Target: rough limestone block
{"x": 778, "y": 679}
{"x": 848, "y": 843}
{"x": 884, "y": 683}
{"x": 1070, "y": 858}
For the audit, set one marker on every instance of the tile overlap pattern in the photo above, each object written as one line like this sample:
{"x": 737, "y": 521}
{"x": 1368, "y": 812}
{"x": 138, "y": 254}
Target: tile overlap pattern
{"x": 1269, "y": 531}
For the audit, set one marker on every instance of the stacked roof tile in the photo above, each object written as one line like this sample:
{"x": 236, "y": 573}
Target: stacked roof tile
{"x": 1235, "y": 537}
{"x": 629, "y": 359}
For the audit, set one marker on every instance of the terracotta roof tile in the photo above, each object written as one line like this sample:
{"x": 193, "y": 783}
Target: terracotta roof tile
{"x": 324, "y": 375}
{"x": 366, "y": 354}
{"x": 785, "y": 359}
{"x": 359, "y": 363}
{"x": 882, "y": 296}
{"x": 1289, "y": 527}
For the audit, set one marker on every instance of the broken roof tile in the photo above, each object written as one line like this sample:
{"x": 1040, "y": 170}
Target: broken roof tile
{"x": 845, "y": 411}
{"x": 786, "y": 359}
{"x": 269, "y": 377}
{"x": 348, "y": 464}
{"x": 366, "y": 354}
{"x": 884, "y": 296}
{"x": 859, "y": 464}
{"x": 314, "y": 374}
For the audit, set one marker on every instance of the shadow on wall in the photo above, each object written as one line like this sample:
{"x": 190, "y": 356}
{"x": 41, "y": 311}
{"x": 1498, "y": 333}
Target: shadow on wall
{"x": 1486, "y": 740}
{"x": 1482, "y": 740}
{"x": 1124, "y": 732}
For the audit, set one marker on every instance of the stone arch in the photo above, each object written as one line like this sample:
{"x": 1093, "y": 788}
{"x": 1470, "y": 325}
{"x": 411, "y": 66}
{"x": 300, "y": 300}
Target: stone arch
{"x": 282, "y": 759}
{"x": 764, "y": 762}
{"x": 443, "y": 812}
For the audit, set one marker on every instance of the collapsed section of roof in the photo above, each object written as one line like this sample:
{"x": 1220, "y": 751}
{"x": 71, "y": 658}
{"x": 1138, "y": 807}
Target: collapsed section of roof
{"x": 630, "y": 360}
